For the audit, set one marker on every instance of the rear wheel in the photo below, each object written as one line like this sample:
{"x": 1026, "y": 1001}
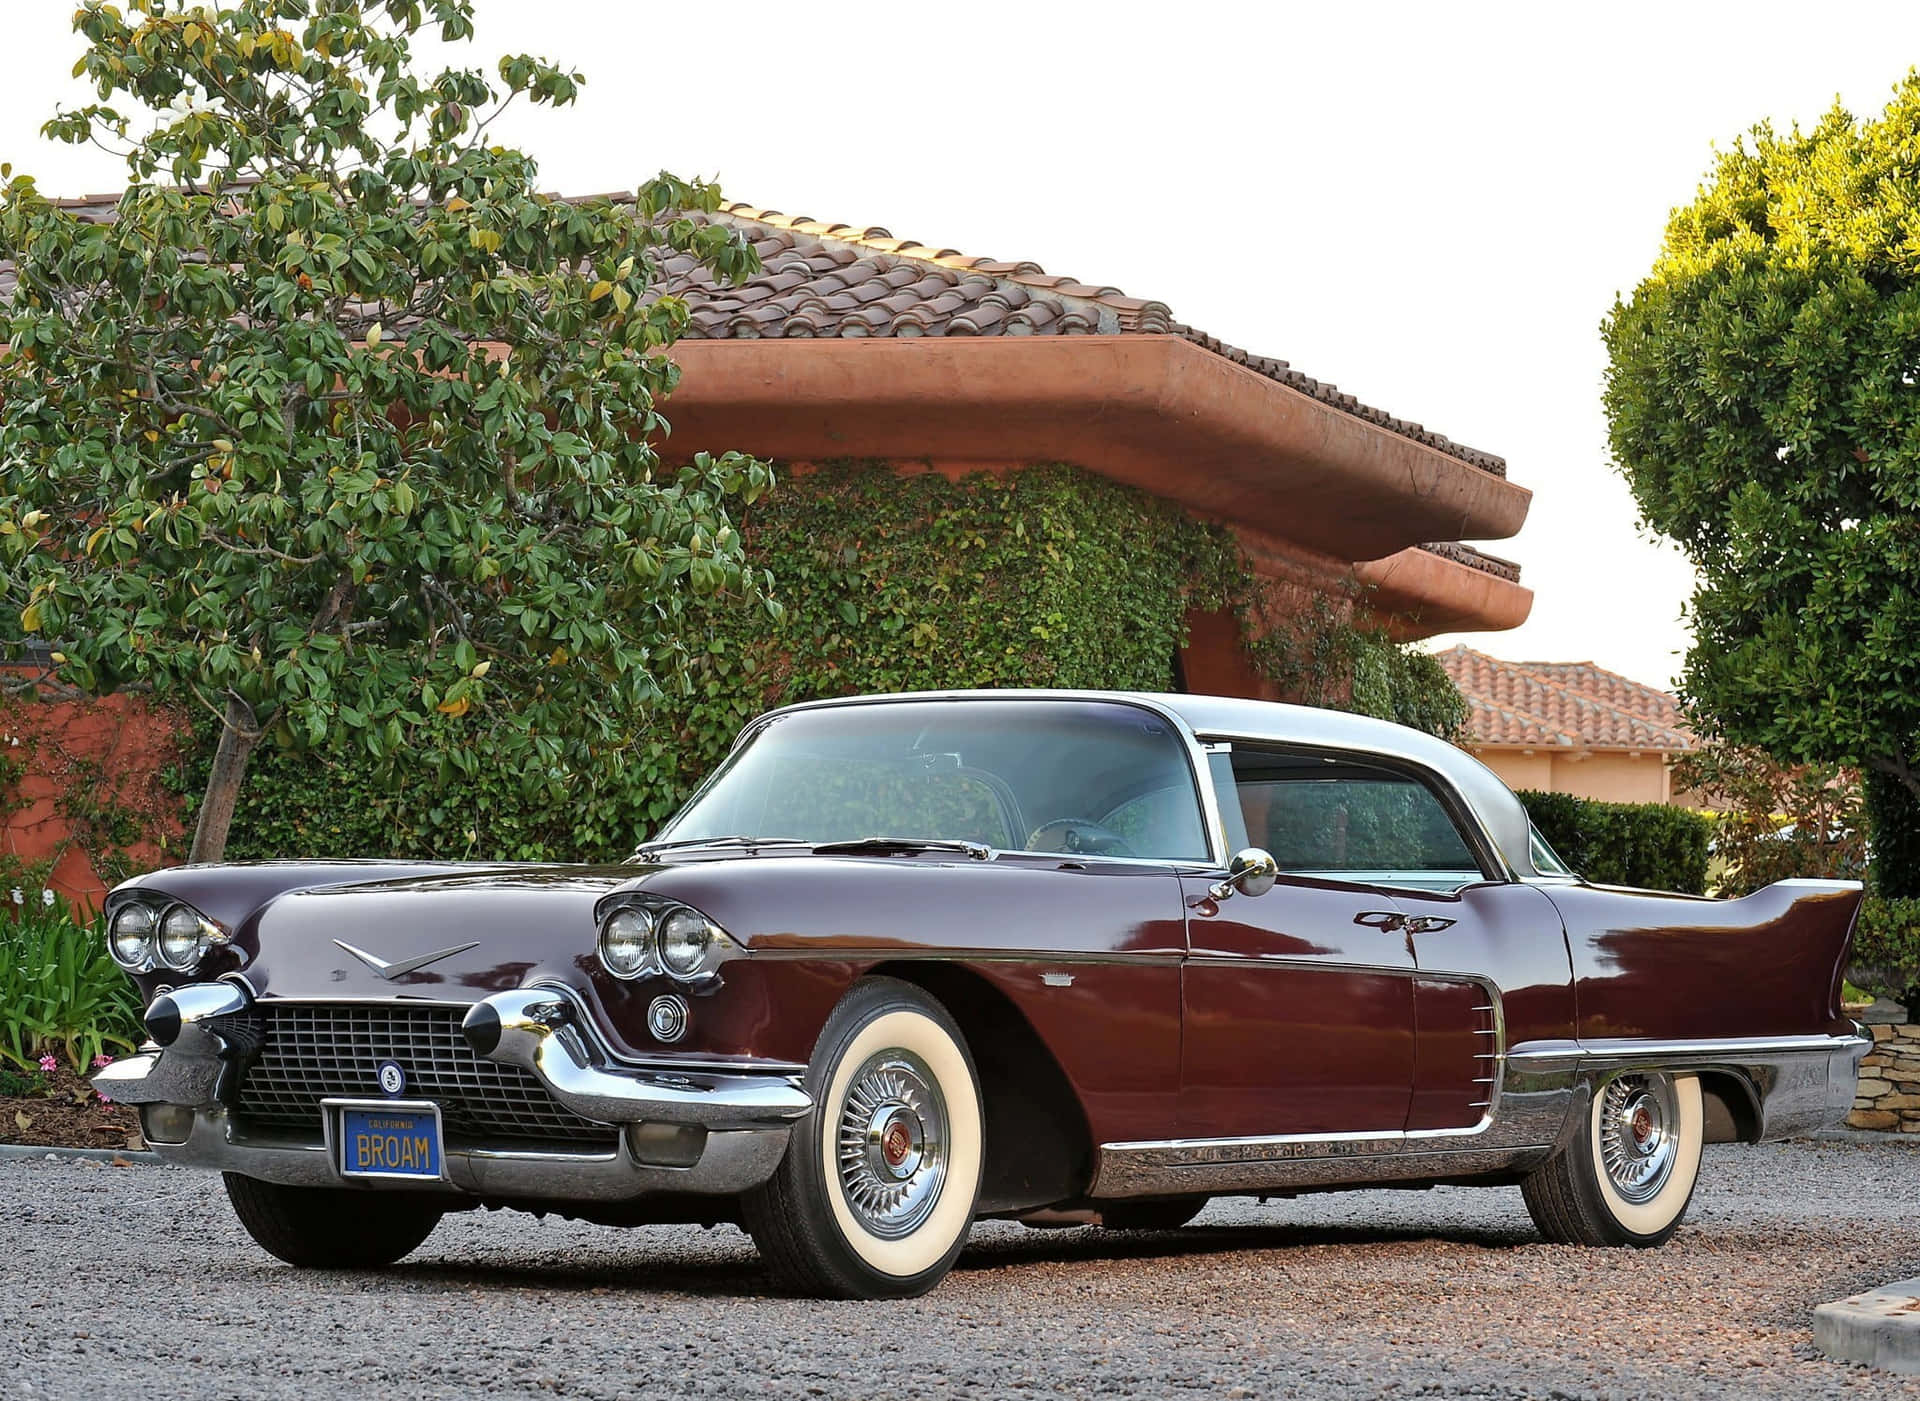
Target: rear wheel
{"x": 877, "y": 1192}
{"x": 331, "y": 1228}
{"x": 1628, "y": 1178}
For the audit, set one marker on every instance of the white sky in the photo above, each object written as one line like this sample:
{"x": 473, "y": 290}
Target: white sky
{"x": 1432, "y": 206}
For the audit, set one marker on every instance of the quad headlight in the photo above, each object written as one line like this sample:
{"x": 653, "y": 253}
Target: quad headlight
{"x": 145, "y": 936}
{"x": 686, "y": 938}
{"x": 639, "y": 940}
{"x": 626, "y": 942}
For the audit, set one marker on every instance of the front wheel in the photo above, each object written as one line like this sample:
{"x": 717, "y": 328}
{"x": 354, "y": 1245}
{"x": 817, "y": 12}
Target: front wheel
{"x": 331, "y": 1228}
{"x": 1628, "y": 1179}
{"x": 877, "y": 1192}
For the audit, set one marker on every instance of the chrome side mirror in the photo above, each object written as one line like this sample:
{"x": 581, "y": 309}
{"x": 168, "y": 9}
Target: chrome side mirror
{"x": 1251, "y": 872}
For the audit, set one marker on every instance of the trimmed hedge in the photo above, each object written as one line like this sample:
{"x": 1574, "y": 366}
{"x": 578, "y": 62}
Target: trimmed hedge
{"x": 1650, "y": 845}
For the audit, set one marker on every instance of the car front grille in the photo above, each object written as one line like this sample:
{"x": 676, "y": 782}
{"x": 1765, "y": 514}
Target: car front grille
{"x": 310, "y": 1051}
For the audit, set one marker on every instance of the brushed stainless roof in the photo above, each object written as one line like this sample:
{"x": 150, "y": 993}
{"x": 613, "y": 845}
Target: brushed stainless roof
{"x": 1488, "y": 800}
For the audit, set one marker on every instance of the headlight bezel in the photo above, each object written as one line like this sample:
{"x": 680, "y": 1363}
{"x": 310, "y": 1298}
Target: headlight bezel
{"x": 701, "y": 973}
{"x": 152, "y": 911}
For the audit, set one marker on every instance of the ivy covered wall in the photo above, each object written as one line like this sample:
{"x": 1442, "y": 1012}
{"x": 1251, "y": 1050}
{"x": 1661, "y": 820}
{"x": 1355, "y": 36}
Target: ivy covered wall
{"x": 1043, "y": 577}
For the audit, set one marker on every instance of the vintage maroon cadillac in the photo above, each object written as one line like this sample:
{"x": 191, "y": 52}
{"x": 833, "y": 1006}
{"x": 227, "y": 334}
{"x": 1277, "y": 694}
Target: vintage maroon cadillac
{"x": 908, "y": 961}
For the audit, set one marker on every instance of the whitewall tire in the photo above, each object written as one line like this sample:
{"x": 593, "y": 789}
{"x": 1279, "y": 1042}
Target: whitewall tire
{"x": 1628, "y": 1178}
{"x": 876, "y": 1194}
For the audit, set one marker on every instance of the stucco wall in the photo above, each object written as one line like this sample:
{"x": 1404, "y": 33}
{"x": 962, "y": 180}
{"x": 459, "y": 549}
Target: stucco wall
{"x": 1613, "y": 778}
{"x": 83, "y": 803}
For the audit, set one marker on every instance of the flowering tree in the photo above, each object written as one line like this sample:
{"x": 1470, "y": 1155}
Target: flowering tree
{"x": 340, "y": 426}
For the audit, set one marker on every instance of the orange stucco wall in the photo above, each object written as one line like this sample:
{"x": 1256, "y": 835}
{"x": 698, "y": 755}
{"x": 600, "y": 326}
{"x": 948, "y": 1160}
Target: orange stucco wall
{"x": 1610, "y": 777}
{"x": 78, "y": 768}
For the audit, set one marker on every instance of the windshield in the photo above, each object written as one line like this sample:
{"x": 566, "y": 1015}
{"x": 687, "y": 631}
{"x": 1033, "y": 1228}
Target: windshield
{"x": 1100, "y": 778}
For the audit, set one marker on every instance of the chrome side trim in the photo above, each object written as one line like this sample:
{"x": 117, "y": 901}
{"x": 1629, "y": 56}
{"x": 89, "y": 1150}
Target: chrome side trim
{"x": 1622, "y": 1051}
{"x": 1796, "y": 1084}
{"x": 733, "y": 1162}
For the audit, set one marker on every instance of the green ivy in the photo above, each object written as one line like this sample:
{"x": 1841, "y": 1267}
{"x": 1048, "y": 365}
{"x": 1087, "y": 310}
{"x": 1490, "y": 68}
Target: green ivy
{"x": 1051, "y": 576}
{"x": 1649, "y": 845}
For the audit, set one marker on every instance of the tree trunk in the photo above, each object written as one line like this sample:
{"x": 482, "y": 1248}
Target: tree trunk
{"x": 239, "y": 732}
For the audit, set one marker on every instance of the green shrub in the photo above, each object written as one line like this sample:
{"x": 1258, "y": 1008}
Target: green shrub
{"x": 60, "y": 992}
{"x": 1886, "y": 949}
{"x": 1650, "y": 845}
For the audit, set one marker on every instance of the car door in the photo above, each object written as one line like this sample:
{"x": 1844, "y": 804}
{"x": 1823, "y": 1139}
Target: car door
{"x": 1494, "y": 972}
{"x": 1299, "y": 1004}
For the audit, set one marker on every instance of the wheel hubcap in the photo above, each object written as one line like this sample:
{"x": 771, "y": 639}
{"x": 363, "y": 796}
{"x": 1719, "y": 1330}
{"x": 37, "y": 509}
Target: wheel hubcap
{"x": 1638, "y": 1120}
{"x": 892, "y": 1143}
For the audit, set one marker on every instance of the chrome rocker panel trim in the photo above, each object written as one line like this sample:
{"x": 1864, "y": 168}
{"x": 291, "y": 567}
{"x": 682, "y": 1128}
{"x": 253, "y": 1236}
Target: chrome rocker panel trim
{"x": 748, "y": 1117}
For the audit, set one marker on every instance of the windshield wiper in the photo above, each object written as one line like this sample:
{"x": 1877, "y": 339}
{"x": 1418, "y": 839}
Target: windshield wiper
{"x": 881, "y": 845}
{"x": 646, "y": 851}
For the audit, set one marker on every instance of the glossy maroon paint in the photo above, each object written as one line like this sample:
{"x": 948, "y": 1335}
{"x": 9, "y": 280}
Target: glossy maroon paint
{"x": 1304, "y": 1011}
{"x": 1506, "y": 934}
{"x": 1299, "y": 1018}
{"x": 1650, "y": 965}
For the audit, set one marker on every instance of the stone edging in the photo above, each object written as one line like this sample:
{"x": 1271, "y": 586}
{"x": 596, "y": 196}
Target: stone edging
{"x": 33, "y": 1153}
{"x": 1888, "y": 1099}
{"x": 1880, "y": 1327}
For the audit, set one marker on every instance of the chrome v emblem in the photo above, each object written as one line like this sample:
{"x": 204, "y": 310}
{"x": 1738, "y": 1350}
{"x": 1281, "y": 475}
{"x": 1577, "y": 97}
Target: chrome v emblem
{"x": 402, "y": 967}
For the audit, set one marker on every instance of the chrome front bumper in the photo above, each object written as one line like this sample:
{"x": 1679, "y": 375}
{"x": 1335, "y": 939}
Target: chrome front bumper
{"x": 724, "y": 1131}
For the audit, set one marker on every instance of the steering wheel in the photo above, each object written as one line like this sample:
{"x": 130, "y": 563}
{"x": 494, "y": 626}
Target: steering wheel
{"x": 1076, "y": 837}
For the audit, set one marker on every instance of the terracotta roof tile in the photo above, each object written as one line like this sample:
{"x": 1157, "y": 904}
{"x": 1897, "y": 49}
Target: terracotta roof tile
{"x": 829, "y": 279}
{"x": 1570, "y": 705}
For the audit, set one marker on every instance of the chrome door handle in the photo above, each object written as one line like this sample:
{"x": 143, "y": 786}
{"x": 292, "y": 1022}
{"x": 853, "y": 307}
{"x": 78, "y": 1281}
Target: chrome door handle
{"x": 1386, "y": 921}
{"x": 1428, "y": 924}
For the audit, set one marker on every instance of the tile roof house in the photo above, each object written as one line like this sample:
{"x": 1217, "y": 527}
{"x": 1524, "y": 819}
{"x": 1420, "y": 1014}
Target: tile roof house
{"x": 1570, "y": 727}
{"x": 853, "y": 344}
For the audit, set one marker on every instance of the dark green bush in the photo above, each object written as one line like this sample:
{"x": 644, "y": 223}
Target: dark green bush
{"x": 1650, "y": 845}
{"x": 1886, "y": 949}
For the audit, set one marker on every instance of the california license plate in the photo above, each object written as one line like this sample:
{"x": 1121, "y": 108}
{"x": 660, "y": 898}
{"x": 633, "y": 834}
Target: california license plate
{"x": 389, "y": 1142}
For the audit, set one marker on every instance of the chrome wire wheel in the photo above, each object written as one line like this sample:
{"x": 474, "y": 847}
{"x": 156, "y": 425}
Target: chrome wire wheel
{"x": 1638, "y": 1132}
{"x": 892, "y": 1143}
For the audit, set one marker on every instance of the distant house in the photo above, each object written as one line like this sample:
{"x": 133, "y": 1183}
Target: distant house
{"x": 1570, "y": 727}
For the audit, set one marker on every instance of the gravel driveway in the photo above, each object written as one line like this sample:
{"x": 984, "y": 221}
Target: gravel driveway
{"x": 126, "y": 1282}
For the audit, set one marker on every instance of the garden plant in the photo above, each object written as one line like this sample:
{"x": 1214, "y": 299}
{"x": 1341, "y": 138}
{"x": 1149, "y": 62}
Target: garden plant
{"x": 339, "y": 427}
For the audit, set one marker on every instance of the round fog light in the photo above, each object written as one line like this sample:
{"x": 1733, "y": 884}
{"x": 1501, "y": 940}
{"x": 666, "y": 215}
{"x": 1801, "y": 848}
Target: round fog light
{"x": 667, "y": 1017}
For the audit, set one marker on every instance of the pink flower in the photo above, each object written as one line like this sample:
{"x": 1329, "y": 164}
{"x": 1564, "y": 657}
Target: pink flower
{"x": 105, "y": 1098}
{"x": 100, "y": 1062}
{"x": 48, "y": 1063}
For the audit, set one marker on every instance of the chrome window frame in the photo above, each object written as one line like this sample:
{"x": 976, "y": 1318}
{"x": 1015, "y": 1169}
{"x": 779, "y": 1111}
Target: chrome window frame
{"x": 1485, "y": 853}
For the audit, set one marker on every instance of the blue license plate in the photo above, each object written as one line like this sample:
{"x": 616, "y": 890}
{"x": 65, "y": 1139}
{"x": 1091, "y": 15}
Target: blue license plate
{"x": 389, "y": 1143}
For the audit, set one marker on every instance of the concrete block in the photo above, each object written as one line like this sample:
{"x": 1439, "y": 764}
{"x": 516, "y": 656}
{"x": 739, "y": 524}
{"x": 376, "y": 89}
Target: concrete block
{"x": 1880, "y": 1328}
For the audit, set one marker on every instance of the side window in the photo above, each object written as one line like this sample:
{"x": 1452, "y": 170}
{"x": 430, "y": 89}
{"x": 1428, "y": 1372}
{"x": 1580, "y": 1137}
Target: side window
{"x": 1350, "y": 821}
